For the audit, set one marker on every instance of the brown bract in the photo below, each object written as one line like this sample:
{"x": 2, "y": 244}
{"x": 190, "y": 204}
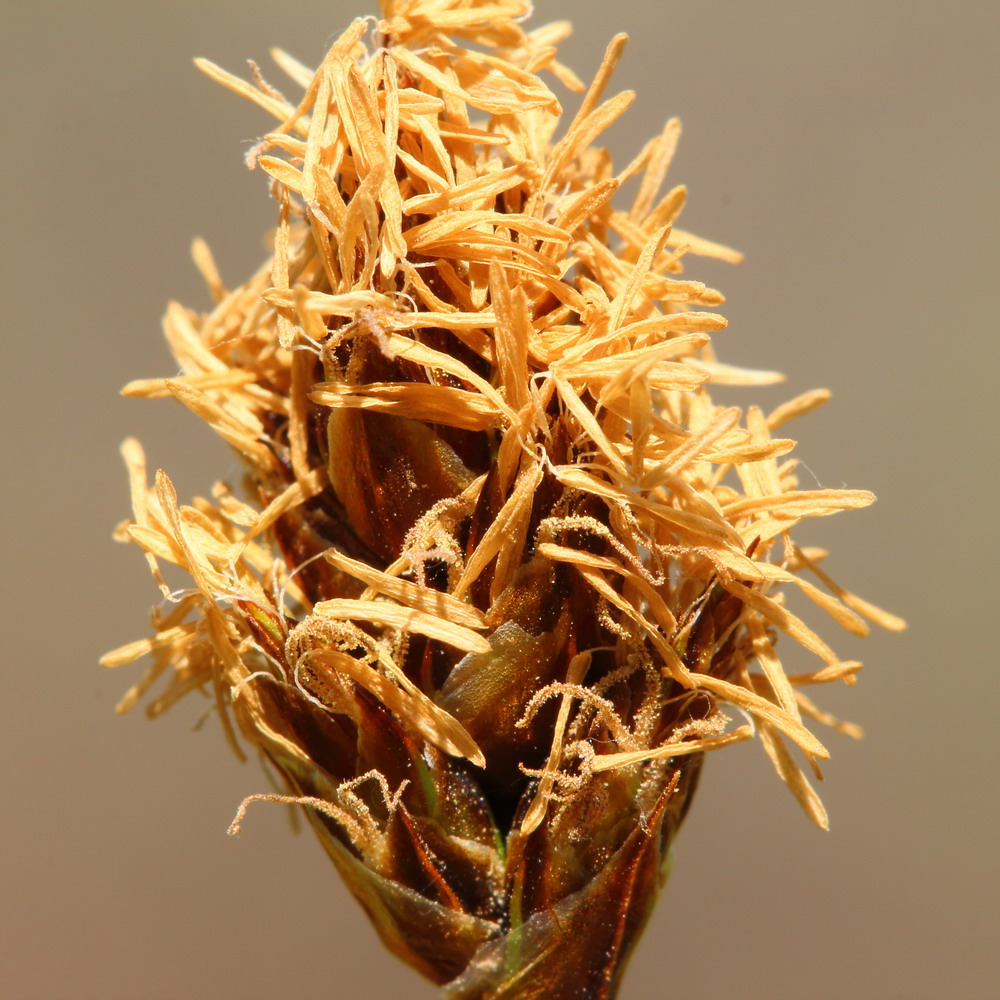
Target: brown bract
{"x": 504, "y": 562}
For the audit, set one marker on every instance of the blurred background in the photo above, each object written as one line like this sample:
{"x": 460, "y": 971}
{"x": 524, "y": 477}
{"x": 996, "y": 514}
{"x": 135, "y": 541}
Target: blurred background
{"x": 851, "y": 150}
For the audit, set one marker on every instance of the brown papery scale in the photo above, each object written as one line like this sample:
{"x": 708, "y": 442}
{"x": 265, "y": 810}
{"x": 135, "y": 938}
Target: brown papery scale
{"x": 504, "y": 569}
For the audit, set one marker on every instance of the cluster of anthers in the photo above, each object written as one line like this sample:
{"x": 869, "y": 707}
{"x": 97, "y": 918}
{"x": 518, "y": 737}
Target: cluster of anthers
{"x": 506, "y": 546}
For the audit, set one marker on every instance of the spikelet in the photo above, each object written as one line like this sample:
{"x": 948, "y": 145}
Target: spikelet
{"x": 505, "y": 571}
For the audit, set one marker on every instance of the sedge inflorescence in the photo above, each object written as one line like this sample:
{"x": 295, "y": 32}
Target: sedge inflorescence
{"x": 504, "y": 572}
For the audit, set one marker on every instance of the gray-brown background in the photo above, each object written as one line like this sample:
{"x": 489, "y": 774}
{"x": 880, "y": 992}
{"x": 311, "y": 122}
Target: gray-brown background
{"x": 850, "y": 149}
